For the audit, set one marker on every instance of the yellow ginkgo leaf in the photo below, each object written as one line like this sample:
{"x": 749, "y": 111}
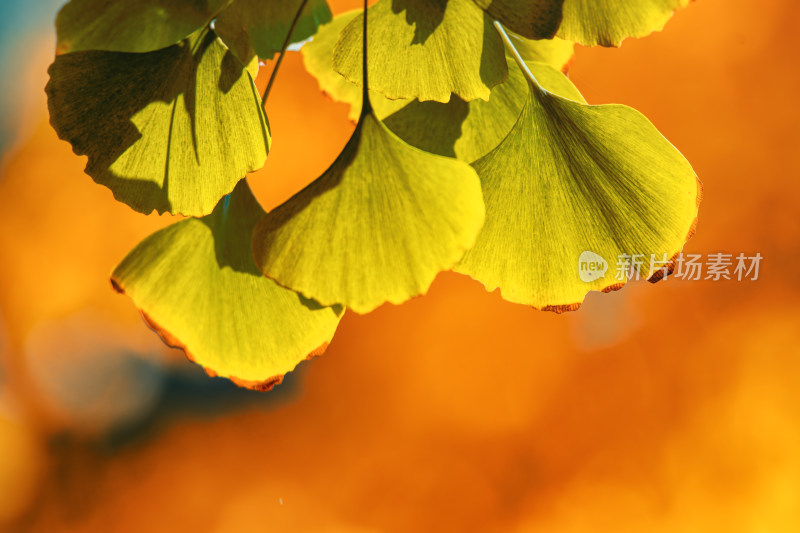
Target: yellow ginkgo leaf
{"x": 609, "y": 22}
{"x": 376, "y": 227}
{"x": 572, "y": 184}
{"x": 197, "y": 285}
{"x": 318, "y": 60}
{"x": 424, "y": 49}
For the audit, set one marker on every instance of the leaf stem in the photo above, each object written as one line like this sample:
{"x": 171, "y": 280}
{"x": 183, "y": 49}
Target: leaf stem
{"x": 517, "y": 56}
{"x": 366, "y": 106}
{"x": 282, "y": 53}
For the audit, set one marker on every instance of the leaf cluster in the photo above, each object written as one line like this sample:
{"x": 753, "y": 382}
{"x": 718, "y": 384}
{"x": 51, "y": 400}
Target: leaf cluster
{"x": 473, "y": 151}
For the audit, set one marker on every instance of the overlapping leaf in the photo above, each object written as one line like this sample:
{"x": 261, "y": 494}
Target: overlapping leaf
{"x": 130, "y": 25}
{"x": 443, "y": 118}
{"x": 424, "y": 49}
{"x": 534, "y": 19}
{"x": 571, "y": 178}
{"x": 376, "y": 227}
{"x": 465, "y": 130}
{"x": 172, "y": 130}
{"x": 318, "y": 60}
{"x": 554, "y": 52}
{"x": 197, "y": 285}
{"x": 176, "y": 127}
{"x": 258, "y": 28}
{"x": 609, "y": 22}
{"x": 470, "y": 130}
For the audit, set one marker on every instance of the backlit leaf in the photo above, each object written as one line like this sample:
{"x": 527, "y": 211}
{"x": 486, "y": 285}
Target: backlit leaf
{"x": 172, "y": 130}
{"x": 534, "y": 19}
{"x": 318, "y": 60}
{"x": 130, "y": 25}
{"x": 609, "y": 22}
{"x": 376, "y": 227}
{"x": 572, "y": 178}
{"x": 197, "y": 285}
{"x": 470, "y": 130}
{"x": 554, "y": 52}
{"x": 424, "y": 49}
{"x": 259, "y": 27}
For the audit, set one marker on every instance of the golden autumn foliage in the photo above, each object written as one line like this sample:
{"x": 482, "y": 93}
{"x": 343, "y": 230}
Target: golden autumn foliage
{"x": 665, "y": 408}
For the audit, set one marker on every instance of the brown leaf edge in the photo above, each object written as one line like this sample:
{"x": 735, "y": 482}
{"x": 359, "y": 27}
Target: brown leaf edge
{"x": 173, "y": 342}
{"x": 668, "y": 269}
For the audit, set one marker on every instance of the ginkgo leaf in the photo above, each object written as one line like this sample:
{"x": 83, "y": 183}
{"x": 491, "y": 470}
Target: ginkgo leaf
{"x": 258, "y": 27}
{"x": 554, "y": 52}
{"x": 551, "y": 81}
{"x": 130, "y": 25}
{"x": 573, "y": 179}
{"x": 376, "y": 227}
{"x": 424, "y": 49}
{"x": 609, "y": 22}
{"x": 470, "y": 130}
{"x": 172, "y": 130}
{"x": 534, "y": 19}
{"x": 196, "y": 284}
{"x": 318, "y": 60}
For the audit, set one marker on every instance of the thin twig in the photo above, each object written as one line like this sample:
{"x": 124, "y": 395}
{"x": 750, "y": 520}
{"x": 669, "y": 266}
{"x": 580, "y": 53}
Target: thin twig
{"x": 282, "y": 53}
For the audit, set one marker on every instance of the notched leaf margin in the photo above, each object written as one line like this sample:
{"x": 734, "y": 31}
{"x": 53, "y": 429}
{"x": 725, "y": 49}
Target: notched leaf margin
{"x": 173, "y": 342}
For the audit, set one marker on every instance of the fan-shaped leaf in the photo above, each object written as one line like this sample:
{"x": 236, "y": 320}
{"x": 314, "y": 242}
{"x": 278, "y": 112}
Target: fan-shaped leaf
{"x": 609, "y": 22}
{"x": 172, "y": 130}
{"x": 318, "y": 60}
{"x": 534, "y": 19}
{"x": 424, "y": 49}
{"x": 130, "y": 25}
{"x": 258, "y": 27}
{"x": 572, "y": 178}
{"x": 197, "y": 285}
{"x": 376, "y": 227}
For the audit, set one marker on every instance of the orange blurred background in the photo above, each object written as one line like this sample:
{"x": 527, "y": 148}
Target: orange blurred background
{"x": 659, "y": 408}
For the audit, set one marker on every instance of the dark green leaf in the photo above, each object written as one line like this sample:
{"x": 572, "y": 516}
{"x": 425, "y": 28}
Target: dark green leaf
{"x": 130, "y": 25}
{"x": 259, "y": 27}
{"x": 534, "y": 19}
{"x": 172, "y": 130}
